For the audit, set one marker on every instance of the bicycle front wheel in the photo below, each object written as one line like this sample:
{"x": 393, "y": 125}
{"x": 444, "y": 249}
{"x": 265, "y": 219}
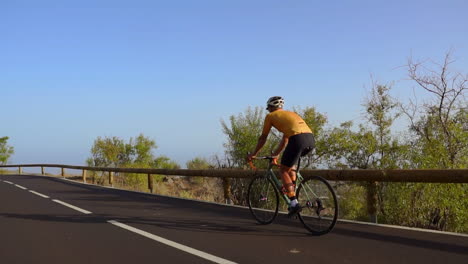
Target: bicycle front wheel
{"x": 320, "y": 206}
{"x": 263, "y": 200}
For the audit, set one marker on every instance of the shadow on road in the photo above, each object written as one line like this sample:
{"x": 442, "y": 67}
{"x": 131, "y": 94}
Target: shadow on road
{"x": 188, "y": 224}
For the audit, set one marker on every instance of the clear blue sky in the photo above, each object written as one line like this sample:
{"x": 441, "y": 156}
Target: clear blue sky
{"x": 71, "y": 71}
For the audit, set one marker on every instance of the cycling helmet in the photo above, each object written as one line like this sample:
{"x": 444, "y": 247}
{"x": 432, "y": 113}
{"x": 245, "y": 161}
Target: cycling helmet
{"x": 275, "y": 101}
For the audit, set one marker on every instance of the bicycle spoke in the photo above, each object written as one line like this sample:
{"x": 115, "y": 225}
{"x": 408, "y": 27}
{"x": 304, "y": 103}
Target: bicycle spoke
{"x": 263, "y": 200}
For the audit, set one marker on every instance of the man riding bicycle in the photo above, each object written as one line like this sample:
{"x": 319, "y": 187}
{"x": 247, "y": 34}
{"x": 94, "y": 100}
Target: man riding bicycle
{"x": 297, "y": 139}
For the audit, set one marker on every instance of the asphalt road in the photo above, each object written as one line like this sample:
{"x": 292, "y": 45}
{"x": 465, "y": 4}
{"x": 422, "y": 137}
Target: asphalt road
{"x": 49, "y": 220}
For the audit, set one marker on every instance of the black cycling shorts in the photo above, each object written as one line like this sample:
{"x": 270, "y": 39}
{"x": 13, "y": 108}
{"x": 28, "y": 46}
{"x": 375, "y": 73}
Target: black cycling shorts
{"x": 298, "y": 145}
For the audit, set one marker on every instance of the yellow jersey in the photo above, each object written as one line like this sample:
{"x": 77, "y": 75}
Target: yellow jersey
{"x": 288, "y": 123}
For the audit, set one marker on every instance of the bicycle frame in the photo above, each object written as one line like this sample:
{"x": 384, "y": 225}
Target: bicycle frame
{"x": 270, "y": 174}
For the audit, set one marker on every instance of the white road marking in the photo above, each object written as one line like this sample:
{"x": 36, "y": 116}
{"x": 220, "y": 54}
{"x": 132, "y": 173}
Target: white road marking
{"x": 72, "y": 207}
{"x": 173, "y": 244}
{"x": 21, "y": 187}
{"x": 39, "y": 194}
{"x": 8, "y": 182}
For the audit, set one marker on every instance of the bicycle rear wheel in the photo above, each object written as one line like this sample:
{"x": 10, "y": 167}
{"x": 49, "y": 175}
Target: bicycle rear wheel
{"x": 263, "y": 200}
{"x": 320, "y": 206}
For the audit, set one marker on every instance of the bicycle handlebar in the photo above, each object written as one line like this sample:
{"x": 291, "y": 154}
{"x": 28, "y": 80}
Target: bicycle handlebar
{"x": 270, "y": 158}
{"x": 265, "y": 157}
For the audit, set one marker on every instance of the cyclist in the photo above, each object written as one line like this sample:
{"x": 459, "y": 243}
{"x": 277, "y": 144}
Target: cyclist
{"x": 297, "y": 139}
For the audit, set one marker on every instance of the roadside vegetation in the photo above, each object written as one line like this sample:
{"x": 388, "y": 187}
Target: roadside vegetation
{"x": 5, "y": 150}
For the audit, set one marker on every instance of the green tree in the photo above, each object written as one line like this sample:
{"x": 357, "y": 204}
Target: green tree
{"x": 109, "y": 152}
{"x": 381, "y": 112}
{"x": 350, "y": 149}
{"x": 5, "y": 150}
{"x": 316, "y": 121}
{"x": 143, "y": 150}
{"x": 115, "y": 152}
{"x": 355, "y": 150}
{"x": 428, "y": 205}
{"x": 163, "y": 162}
{"x": 136, "y": 153}
{"x": 372, "y": 146}
{"x": 389, "y": 152}
{"x": 242, "y": 134}
{"x": 438, "y": 139}
{"x": 438, "y": 127}
{"x": 198, "y": 163}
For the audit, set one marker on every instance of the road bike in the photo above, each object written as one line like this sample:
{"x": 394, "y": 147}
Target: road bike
{"x": 315, "y": 195}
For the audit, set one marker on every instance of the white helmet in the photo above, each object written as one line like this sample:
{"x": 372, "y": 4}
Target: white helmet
{"x": 275, "y": 101}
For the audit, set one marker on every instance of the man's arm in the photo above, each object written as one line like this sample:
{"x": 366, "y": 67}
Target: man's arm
{"x": 281, "y": 146}
{"x": 261, "y": 142}
{"x": 262, "y": 139}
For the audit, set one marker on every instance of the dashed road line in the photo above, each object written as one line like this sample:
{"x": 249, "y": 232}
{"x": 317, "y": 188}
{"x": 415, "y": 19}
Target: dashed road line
{"x": 162, "y": 240}
{"x": 39, "y": 194}
{"x": 21, "y": 187}
{"x": 173, "y": 244}
{"x": 24, "y": 188}
{"x": 57, "y": 201}
{"x": 73, "y": 207}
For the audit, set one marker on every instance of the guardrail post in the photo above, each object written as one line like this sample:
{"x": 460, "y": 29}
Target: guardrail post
{"x": 20, "y": 170}
{"x": 150, "y": 183}
{"x": 111, "y": 178}
{"x": 227, "y": 190}
{"x": 372, "y": 201}
{"x": 83, "y": 174}
{"x": 63, "y": 172}
{"x": 42, "y": 170}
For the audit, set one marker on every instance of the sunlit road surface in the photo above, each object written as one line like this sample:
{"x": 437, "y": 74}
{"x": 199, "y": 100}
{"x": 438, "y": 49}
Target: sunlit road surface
{"x": 49, "y": 220}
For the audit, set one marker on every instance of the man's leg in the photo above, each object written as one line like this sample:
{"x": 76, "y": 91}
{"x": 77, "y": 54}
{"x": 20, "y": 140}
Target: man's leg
{"x": 292, "y": 174}
{"x": 286, "y": 174}
{"x": 286, "y": 177}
